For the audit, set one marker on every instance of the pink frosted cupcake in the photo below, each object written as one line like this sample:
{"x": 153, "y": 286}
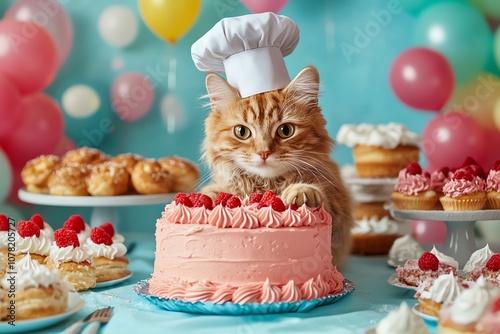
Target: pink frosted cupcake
{"x": 493, "y": 187}
{"x": 464, "y": 192}
{"x": 439, "y": 179}
{"x": 413, "y": 190}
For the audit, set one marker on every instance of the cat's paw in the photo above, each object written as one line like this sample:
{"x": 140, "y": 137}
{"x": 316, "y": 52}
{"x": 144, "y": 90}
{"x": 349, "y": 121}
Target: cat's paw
{"x": 303, "y": 193}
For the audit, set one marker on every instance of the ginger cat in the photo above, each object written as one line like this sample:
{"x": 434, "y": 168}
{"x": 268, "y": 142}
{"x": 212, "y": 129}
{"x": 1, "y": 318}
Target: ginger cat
{"x": 276, "y": 140}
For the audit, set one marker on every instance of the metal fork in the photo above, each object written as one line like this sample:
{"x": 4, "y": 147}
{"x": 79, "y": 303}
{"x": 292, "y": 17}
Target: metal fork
{"x": 102, "y": 315}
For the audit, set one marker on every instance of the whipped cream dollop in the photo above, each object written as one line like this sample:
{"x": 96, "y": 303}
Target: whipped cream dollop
{"x": 29, "y": 273}
{"x": 401, "y": 321}
{"x": 84, "y": 235}
{"x": 118, "y": 238}
{"x": 444, "y": 289}
{"x": 47, "y": 231}
{"x": 384, "y": 135}
{"x": 444, "y": 258}
{"x": 405, "y": 248}
{"x": 374, "y": 225}
{"x": 101, "y": 250}
{"x": 4, "y": 239}
{"x": 478, "y": 259}
{"x": 69, "y": 253}
{"x": 36, "y": 245}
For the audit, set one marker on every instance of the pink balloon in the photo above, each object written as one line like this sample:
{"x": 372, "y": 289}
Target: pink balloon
{"x": 10, "y": 105}
{"x": 262, "y": 6}
{"x": 492, "y": 151}
{"x": 448, "y": 139}
{"x": 50, "y": 15}
{"x": 422, "y": 79}
{"x": 132, "y": 96}
{"x": 38, "y": 132}
{"x": 28, "y": 55}
{"x": 64, "y": 145}
{"x": 428, "y": 232}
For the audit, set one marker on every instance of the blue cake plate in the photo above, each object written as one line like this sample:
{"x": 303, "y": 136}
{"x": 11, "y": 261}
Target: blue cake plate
{"x": 142, "y": 289}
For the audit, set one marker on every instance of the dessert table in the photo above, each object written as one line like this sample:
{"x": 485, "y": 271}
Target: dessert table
{"x": 360, "y": 310}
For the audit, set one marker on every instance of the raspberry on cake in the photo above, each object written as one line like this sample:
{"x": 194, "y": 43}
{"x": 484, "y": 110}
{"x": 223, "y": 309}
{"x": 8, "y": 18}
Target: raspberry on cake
{"x": 214, "y": 265}
{"x": 77, "y": 224}
{"x": 30, "y": 240}
{"x": 109, "y": 228}
{"x": 74, "y": 262}
{"x": 493, "y": 187}
{"x": 45, "y": 228}
{"x": 465, "y": 191}
{"x": 413, "y": 190}
{"x": 109, "y": 257}
{"x": 4, "y": 233}
{"x": 430, "y": 265}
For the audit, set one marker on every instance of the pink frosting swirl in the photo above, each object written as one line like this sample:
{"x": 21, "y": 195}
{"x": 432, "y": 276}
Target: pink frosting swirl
{"x": 177, "y": 292}
{"x": 291, "y": 218}
{"x": 323, "y": 216}
{"x": 270, "y": 294}
{"x": 268, "y": 217}
{"x": 307, "y": 217}
{"x": 220, "y": 217}
{"x": 334, "y": 279}
{"x": 177, "y": 214}
{"x": 223, "y": 294}
{"x": 199, "y": 215}
{"x": 323, "y": 287}
{"x": 439, "y": 179}
{"x": 242, "y": 218}
{"x": 409, "y": 184}
{"x": 290, "y": 292}
{"x": 200, "y": 291}
{"x": 247, "y": 294}
{"x": 460, "y": 187}
{"x": 493, "y": 181}
{"x": 309, "y": 290}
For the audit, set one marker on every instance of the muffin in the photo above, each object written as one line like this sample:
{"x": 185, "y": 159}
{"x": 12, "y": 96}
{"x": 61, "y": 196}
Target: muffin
{"x": 149, "y": 177}
{"x": 185, "y": 173}
{"x": 29, "y": 240}
{"x": 108, "y": 179}
{"x": 85, "y": 157}
{"x": 380, "y": 150}
{"x": 433, "y": 294}
{"x": 373, "y": 236}
{"x": 127, "y": 160}
{"x": 69, "y": 181}
{"x": 464, "y": 192}
{"x": 493, "y": 187}
{"x": 35, "y": 174}
{"x": 413, "y": 190}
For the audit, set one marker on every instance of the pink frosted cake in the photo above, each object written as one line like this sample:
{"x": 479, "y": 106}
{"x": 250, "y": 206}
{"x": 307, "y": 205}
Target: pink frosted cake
{"x": 243, "y": 251}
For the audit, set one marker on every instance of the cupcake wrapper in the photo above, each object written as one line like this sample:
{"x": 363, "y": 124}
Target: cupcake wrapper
{"x": 493, "y": 203}
{"x": 471, "y": 204}
{"x": 414, "y": 203}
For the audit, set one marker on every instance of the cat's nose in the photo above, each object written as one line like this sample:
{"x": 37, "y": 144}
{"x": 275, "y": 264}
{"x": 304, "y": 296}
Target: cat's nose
{"x": 264, "y": 154}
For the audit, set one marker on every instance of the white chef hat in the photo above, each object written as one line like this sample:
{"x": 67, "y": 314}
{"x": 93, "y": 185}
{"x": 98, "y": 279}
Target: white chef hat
{"x": 250, "y": 50}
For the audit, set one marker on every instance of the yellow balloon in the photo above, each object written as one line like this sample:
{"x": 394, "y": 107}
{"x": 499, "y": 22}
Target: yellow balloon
{"x": 496, "y": 114}
{"x": 169, "y": 19}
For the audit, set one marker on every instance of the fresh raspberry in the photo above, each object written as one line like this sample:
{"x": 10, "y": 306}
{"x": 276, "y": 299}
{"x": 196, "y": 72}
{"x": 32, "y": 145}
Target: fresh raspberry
{"x": 428, "y": 261}
{"x": 293, "y": 206}
{"x": 184, "y": 200}
{"x": 496, "y": 165}
{"x": 414, "y": 169}
{"x": 277, "y": 204}
{"x": 194, "y": 197}
{"x": 27, "y": 228}
{"x": 222, "y": 198}
{"x": 65, "y": 237}
{"x": 462, "y": 174}
{"x": 476, "y": 170}
{"x": 267, "y": 197}
{"x": 493, "y": 263}
{"x": 427, "y": 175}
{"x": 37, "y": 219}
{"x": 469, "y": 161}
{"x": 4, "y": 222}
{"x": 445, "y": 170}
{"x": 255, "y": 198}
{"x": 233, "y": 202}
{"x": 203, "y": 200}
{"x": 108, "y": 228}
{"x": 178, "y": 197}
{"x": 75, "y": 223}
{"x": 261, "y": 205}
{"x": 99, "y": 236}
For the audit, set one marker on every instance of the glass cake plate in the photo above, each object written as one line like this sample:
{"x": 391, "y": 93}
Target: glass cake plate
{"x": 142, "y": 289}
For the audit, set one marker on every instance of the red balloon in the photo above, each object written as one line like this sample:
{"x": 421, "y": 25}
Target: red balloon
{"x": 262, "y": 6}
{"x": 64, "y": 145}
{"x": 28, "y": 55}
{"x": 10, "y": 106}
{"x": 428, "y": 232}
{"x": 38, "y": 132}
{"x": 448, "y": 139}
{"x": 492, "y": 151}
{"x": 422, "y": 78}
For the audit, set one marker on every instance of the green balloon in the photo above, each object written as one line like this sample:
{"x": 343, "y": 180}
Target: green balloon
{"x": 488, "y": 7}
{"x": 416, "y": 6}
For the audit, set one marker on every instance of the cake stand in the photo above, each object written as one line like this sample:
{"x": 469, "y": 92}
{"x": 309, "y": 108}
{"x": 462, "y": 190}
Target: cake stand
{"x": 104, "y": 207}
{"x": 460, "y": 242}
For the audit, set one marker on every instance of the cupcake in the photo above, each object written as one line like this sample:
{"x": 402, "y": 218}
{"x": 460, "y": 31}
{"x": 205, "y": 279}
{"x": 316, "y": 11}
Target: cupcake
{"x": 109, "y": 257}
{"x": 30, "y": 240}
{"x": 380, "y": 150}
{"x": 404, "y": 249}
{"x": 439, "y": 178}
{"x": 433, "y": 294}
{"x": 77, "y": 224}
{"x": 373, "y": 236}
{"x": 464, "y": 191}
{"x": 39, "y": 291}
{"x": 6, "y": 229}
{"x": 74, "y": 262}
{"x": 493, "y": 187}
{"x": 45, "y": 228}
{"x": 401, "y": 320}
{"x": 413, "y": 190}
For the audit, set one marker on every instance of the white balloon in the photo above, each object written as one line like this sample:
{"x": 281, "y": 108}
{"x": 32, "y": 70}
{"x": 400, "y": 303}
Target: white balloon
{"x": 172, "y": 113}
{"x": 80, "y": 101}
{"x": 118, "y": 26}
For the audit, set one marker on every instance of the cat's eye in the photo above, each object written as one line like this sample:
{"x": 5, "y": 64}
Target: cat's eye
{"x": 285, "y": 130}
{"x": 242, "y": 132}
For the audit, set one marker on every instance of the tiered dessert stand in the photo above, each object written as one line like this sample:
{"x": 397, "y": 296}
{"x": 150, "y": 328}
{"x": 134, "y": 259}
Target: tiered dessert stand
{"x": 104, "y": 207}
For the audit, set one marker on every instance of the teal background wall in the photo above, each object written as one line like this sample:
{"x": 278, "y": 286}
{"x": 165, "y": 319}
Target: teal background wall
{"x": 355, "y": 87}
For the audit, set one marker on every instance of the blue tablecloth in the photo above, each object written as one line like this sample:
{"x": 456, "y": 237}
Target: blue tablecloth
{"x": 372, "y": 299}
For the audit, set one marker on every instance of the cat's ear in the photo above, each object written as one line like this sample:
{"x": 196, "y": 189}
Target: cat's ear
{"x": 219, "y": 91}
{"x": 305, "y": 86}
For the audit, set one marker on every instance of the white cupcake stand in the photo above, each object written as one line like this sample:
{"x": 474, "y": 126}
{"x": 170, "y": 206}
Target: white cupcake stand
{"x": 460, "y": 242}
{"x": 104, "y": 207}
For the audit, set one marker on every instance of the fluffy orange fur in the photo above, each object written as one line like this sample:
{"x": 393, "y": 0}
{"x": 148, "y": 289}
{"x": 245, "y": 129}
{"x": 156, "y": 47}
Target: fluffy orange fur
{"x": 298, "y": 167}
